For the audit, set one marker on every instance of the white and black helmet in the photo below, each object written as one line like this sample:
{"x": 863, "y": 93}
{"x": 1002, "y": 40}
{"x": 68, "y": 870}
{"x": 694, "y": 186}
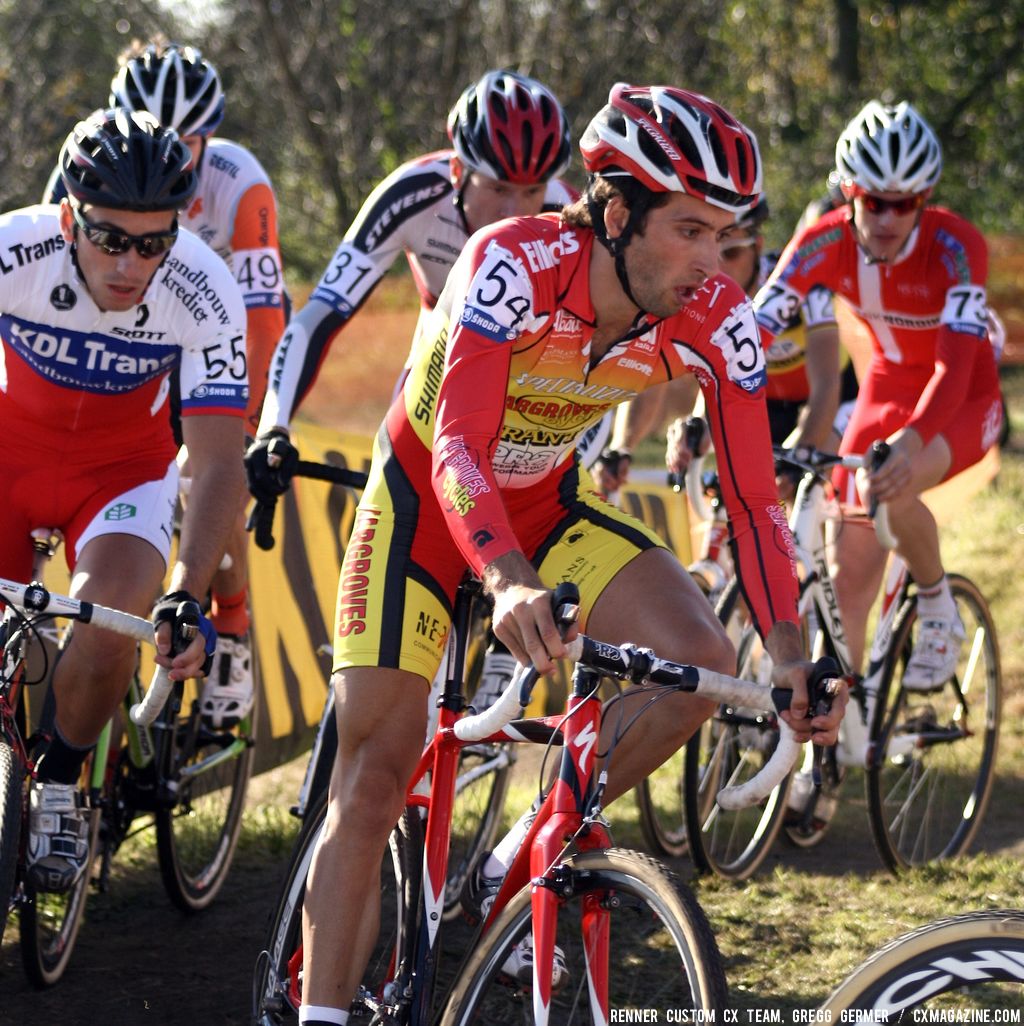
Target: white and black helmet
{"x": 889, "y": 149}
{"x": 175, "y": 84}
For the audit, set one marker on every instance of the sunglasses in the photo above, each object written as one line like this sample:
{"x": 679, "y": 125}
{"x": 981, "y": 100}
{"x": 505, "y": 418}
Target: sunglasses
{"x": 114, "y": 242}
{"x": 900, "y": 207}
{"x": 734, "y": 248}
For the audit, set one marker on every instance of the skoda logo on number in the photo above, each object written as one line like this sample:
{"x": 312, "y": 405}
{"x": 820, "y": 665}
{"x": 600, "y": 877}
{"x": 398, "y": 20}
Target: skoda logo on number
{"x": 63, "y": 297}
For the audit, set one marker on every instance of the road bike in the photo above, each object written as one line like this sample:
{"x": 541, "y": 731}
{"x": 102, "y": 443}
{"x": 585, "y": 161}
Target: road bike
{"x": 167, "y": 769}
{"x": 629, "y": 932}
{"x": 928, "y": 758}
{"x": 972, "y": 962}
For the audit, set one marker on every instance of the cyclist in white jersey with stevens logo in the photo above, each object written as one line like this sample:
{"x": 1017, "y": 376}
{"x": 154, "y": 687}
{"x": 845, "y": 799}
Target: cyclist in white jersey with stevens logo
{"x": 101, "y": 299}
{"x": 234, "y": 211}
{"x": 510, "y": 140}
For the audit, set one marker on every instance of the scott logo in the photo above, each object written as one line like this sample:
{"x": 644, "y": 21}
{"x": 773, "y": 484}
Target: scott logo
{"x": 120, "y": 511}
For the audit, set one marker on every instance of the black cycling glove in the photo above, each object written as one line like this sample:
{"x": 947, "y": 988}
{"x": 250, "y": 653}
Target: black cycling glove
{"x": 269, "y": 466}
{"x": 182, "y": 611}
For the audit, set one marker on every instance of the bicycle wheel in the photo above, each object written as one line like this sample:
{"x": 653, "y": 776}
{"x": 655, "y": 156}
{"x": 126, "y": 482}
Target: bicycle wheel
{"x": 931, "y": 771}
{"x": 730, "y": 748}
{"x": 49, "y": 923}
{"x": 969, "y": 962}
{"x": 660, "y": 804}
{"x": 480, "y": 789}
{"x": 660, "y": 949}
{"x": 12, "y": 790}
{"x": 277, "y": 987}
{"x": 661, "y": 796}
{"x": 207, "y": 773}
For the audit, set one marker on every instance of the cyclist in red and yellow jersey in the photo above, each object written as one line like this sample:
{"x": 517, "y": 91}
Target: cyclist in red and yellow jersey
{"x": 544, "y": 324}
{"x": 915, "y": 275}
{"x": 235, "y": 213}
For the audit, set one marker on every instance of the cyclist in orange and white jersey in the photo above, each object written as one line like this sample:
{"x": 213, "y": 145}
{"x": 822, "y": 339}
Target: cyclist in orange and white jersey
{"x": 101, "y": 299}
{"x": 915, "y": 275}
{"x": 234, "y": 211}
{"x": 544, "y": 324}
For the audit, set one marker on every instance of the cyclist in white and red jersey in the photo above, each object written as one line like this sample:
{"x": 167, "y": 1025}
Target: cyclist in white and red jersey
{"x": 544, "y": 324}
{"x": 234, "y": 211}
{"x": 510, "y": 142}
{"x": 101, "y": 299}
{"x": 915, "y": 275}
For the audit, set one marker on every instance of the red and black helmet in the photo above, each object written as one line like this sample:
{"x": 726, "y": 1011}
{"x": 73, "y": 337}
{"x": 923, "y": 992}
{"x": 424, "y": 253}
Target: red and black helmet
{"x": 511, "y": 128}
{"x": 672, "y": 140}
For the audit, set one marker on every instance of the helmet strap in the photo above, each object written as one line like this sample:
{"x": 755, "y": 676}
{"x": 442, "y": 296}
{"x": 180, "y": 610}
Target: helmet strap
{"x": 617, "y": 246}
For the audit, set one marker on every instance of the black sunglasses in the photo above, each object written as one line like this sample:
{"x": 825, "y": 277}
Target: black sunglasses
{"x": 900, "y": 207}
{"x": 114, "y": 242}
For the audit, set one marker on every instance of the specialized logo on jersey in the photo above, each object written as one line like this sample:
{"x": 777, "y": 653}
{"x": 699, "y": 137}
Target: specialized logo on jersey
{"x": 740, "y": 344}
{"x": 63, "y": 297}
{"x": 194, "y": 290}
{"x": 120, "y": 511}
{"x": 92, "y": 363}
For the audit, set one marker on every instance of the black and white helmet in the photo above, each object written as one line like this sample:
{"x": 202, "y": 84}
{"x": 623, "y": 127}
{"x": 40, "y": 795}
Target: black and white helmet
{"x": 889, "y": 149}
{"x": 126, "y": 161}
{"x": 175, "y": 84}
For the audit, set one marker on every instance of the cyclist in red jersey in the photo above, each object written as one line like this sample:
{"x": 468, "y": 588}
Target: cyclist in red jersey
{"x": 88, "y": 442}
{"x": 545, "y": 322}
{"x": 915, "y": 275}
{"x": 234, "y": 212}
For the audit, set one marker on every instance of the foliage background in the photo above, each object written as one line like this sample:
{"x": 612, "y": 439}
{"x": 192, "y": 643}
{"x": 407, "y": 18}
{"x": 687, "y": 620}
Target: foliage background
{"x": 333, "y": 94}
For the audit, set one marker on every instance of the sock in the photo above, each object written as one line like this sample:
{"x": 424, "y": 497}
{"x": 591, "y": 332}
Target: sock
{"x": 504, "y": 853}
{"x": 229, "y": 613}
{"x": 321, "y": 1015}
{"x": 62, "y": 761}
{"x": 936, "y": 600}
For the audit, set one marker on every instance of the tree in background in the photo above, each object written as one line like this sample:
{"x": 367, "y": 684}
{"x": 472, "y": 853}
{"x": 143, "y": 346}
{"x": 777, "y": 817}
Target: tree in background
{"x": 333, "y": 94}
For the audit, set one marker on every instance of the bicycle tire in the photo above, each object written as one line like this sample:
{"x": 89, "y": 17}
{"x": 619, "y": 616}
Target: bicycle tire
{"x": 481, "y": 784}
{"x": 198, "y": 830}
{"x": 926, "y": 802}
{"x": 678, "y": 966}
{"x": 907, "y": 973}
{"x": 661, "y": 796}
{"x": 276, "y": 987}
{"x": 12, "y": 793}
{"x": 730, "y": 747}
{"x": 49, "y": 922}
{"x": 660, "y": 799}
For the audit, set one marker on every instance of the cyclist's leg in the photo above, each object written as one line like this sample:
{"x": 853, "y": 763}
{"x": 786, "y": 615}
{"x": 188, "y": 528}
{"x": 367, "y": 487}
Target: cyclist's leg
{"x": 124, "y": 572}
{"x": 679, "y": 624}
{"x": 381, "y": 717}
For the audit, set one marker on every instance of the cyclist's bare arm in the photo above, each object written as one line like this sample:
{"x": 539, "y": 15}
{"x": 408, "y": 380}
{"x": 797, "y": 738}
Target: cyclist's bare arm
{"x": 522, "y": 618}
{"x": 214, "y": 442}
{"x": 823, "y": 382}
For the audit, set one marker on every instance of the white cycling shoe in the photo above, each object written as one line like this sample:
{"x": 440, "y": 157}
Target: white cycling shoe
{"x": 519, "y": 964}
{"x": 228, "y": 694}
{"x": 58, "y": 841}
{"x": 935, "y": 654}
